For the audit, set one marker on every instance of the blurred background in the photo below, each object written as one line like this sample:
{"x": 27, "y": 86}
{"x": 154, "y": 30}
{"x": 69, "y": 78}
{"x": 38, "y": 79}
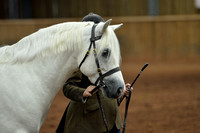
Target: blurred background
{"x": 165, "y": 33}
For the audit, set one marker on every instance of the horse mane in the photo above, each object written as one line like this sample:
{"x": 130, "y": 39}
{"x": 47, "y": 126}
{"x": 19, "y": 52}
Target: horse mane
{"x": 52, "y": 40}
{"x": 46, "y": 41}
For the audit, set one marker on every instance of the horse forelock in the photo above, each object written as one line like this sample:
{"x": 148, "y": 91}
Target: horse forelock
{"x": 46, "y": 41}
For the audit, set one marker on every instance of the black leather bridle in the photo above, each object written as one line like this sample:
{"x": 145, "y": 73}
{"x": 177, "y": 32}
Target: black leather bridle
{"x": 99, "y": 82}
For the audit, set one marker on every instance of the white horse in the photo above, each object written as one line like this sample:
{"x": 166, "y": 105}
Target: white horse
{"x": 34, "y": 69}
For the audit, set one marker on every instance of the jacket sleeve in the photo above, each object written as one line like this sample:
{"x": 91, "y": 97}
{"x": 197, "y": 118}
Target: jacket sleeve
{"x": 72, "y": 89}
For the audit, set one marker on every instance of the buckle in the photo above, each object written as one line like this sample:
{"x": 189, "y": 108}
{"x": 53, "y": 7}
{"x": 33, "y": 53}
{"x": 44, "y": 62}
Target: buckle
{"x": 99, "y": 70}
{"x": 88, "y": 52}
{"x": 95, "y": 51}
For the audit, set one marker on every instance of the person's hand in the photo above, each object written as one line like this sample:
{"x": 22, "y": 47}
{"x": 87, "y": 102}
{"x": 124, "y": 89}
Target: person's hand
{"x": 127, "y": 91}
{"x": 88, "y": 90}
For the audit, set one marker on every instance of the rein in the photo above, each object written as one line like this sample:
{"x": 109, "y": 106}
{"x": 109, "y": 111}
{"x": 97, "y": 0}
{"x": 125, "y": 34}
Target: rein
{"x": 99, "y": 82}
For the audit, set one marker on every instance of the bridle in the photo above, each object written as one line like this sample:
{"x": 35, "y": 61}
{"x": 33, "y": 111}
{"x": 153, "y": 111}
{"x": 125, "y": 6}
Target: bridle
{"x": 99, "y": 82}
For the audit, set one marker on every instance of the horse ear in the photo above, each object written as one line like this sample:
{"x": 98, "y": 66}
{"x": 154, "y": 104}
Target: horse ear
{"x": 115, "y": 27}
{"x": 105, "y": 26}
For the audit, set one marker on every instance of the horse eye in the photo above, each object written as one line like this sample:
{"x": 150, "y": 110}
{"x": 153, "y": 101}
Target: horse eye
{"x": 105, "y": 53}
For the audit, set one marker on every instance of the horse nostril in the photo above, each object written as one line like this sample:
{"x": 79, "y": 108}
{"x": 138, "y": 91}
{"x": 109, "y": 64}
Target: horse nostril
{"x": 119, "y": 91}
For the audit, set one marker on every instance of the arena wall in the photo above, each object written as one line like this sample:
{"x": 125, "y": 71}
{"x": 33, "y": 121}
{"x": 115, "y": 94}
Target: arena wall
{"x": 142, "y": 37}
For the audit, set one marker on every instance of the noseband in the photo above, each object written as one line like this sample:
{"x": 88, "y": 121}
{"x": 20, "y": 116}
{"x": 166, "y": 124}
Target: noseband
{"x": 92, "y": 43}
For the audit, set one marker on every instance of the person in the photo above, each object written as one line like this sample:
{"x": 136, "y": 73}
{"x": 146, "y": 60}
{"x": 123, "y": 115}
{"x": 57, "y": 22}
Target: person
{"x": 85, "y": 117}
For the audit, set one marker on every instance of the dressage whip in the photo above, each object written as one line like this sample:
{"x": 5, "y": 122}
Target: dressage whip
{"x": 129, "y": 97}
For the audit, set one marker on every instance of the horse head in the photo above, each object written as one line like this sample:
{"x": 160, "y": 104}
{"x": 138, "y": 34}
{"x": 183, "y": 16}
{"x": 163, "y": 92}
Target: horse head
{"x": 100, "y": 58}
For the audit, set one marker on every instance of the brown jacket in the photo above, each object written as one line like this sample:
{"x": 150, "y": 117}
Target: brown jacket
{"x": 86, "y": 117}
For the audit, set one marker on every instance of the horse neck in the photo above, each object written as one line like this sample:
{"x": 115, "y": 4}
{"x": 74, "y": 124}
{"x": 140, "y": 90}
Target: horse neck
{"x": 53, "y": 72}
{"x": 53, "y": 65}
{"x": 56, "y": 60}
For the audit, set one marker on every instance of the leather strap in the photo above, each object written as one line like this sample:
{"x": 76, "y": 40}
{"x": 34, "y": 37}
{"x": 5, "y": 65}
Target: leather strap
{"x": 92, "y": 42}
{"x": 100, "y": 78}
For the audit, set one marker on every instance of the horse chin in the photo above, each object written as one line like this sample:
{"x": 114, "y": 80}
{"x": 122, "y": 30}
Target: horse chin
{"x": 106, "y": 93}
